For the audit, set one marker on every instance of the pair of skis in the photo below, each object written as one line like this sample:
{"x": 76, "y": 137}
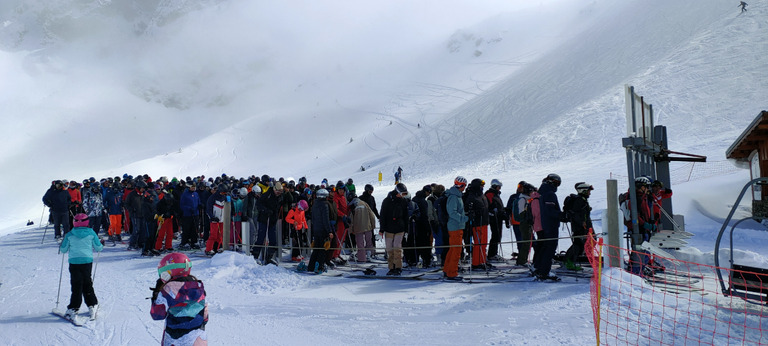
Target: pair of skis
{"x": 76, "y": 319}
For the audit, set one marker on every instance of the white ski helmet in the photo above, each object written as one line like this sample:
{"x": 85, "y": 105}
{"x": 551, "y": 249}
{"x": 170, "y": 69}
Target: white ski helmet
{"x": 642, "y": 181}
{"x": 583, "y": 187}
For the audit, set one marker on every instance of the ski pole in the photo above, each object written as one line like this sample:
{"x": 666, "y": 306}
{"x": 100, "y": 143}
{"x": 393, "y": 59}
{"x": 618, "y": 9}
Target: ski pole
{"x": 471, "y": 249}
{"x": 570, "y": 234}
{"x": 44, "y": 232}
{"x": 353, "y": 247}
{"x": 61, "y": 274}
{"x": 95, "y": 265}
{"x": 41, "y": 215}
{"x": 501, "y": 238}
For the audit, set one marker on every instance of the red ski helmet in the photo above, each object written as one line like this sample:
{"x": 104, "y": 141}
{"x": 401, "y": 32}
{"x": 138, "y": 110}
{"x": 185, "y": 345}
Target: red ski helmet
{"x": 174, "y": 265}
{"x": 303, "y": 205}
{"x": 80, "y": 220}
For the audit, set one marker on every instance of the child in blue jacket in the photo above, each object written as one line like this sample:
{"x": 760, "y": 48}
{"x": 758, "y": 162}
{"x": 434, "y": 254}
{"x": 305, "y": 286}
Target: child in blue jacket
{"x": 80, "y": 243}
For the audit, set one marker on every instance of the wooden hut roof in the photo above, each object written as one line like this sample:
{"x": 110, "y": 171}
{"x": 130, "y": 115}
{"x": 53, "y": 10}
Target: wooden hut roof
{"x": 750, "y": 139}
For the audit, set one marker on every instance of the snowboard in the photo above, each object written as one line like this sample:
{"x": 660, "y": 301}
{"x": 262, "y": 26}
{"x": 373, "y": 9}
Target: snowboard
{"x": 481, "y": 277}
{"x": 321, "y": 274}
{"x": 77, "y": 320}
{"x": 327, "y": 273}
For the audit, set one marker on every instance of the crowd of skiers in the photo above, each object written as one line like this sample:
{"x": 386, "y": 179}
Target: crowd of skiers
{"x": 463, "y": 222}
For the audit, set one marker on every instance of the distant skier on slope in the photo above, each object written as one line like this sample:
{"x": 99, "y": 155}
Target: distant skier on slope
{"x": 179, "y": 299}
{"x": 743, "y": 6}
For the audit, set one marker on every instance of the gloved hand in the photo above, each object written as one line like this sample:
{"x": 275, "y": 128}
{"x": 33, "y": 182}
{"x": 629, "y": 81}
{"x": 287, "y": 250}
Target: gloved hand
{"x": 244, "y": 218}
{"x": 102, "y": 241}
{"x": 156, "y": 290}
{"x": 214, "y": 219}
{"x": 506, "y": 223}
{"x": 159, "y": 218}
{"x": 327, "y": 245}
{"x": 667, "y": 190}
{"x": 649, "y": 226}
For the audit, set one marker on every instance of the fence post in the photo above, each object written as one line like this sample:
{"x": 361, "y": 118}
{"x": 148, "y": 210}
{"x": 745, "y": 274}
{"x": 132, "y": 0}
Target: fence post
{"x": 612, "y": 227}
{"x": 226, "y": 220}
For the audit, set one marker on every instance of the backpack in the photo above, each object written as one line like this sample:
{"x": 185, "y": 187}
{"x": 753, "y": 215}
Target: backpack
{"x": 442, "y": 210}
{"x": 624, "y": 206}
{"x": 517, "y": 215}
{"x": 568, "y": 206}
{"x": 218, "y": 210}
{"x": 532, "y": 213}
{"x": 525, "y": 216}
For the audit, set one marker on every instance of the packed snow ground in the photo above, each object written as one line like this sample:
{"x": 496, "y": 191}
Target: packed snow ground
{"x": 250, "y": 303}
{"x": 511, "y": 94}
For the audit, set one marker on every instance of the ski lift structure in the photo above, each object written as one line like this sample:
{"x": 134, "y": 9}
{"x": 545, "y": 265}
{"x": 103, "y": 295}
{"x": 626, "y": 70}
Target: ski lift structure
{"x": 648, "y": 155}
{"x": 750, "y": 150}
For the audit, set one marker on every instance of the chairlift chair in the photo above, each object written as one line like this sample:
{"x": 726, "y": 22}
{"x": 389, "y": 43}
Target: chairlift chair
{"x": 746, "y": 282}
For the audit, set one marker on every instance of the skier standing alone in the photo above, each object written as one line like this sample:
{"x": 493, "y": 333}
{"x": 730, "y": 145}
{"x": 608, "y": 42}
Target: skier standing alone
{"x": 179, "y": 299}
{"x": 80, "y": 243}
{"x": 743, "y": 6}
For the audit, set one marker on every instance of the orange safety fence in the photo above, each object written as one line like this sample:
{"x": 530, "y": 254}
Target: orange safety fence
{"x": 674, "y": 302}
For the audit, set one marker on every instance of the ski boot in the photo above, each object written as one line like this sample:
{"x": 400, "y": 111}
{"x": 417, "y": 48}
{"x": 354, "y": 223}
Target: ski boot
{"x": 71, "y": 314}
{"x": 571, "y": 266}
{"x": 93, "y": 310}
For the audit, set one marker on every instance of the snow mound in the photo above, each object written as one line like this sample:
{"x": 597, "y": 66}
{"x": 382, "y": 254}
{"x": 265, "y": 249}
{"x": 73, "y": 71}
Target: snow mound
{"x": 238, "y": 271}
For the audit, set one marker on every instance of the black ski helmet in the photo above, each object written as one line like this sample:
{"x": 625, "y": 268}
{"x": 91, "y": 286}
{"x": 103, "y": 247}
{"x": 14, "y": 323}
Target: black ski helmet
{"x": 553, "y": 179}
{"x": 401, "y": 189}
